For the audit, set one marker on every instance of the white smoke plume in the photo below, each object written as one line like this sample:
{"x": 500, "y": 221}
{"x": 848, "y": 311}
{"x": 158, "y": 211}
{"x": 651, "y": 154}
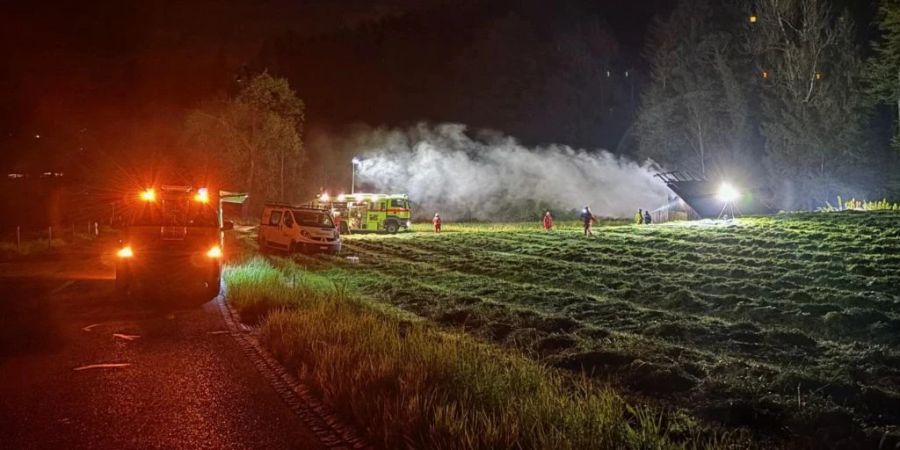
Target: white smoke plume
{"x": 444, "y": 170}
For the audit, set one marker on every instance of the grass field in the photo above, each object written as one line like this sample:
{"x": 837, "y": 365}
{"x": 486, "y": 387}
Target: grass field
{"x": 786, "y": 326}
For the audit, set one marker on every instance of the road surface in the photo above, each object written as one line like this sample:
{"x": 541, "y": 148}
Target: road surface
{"x": 81, "y": 370}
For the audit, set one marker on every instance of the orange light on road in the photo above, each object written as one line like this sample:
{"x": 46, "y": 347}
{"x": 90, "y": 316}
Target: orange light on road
{"x": 215, "y": 252}
{"x": 125, "y": 252}
{"x": 148, "y": 195}
{"x": 202, "y": 195}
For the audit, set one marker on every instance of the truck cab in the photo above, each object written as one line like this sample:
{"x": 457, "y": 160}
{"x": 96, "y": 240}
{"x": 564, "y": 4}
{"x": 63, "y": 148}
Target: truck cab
{"x": 170, "y": 236}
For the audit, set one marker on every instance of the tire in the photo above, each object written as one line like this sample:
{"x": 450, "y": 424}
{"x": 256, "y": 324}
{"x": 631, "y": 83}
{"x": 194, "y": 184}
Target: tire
{"x": 212, "y": 289}
{"x": 392, "y": 227}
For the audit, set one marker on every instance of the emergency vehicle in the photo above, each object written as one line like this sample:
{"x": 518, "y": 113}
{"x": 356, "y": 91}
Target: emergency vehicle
{"x": 172, "y": 236}
{"x": 368, "y": 212}
{"x": 298, "y": 229}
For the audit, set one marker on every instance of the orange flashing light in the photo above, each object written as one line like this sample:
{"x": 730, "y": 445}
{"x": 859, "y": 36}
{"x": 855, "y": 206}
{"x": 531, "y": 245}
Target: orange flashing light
{"x": 125, "y": 252}
{"x": 215, "y": 252}
{"x": 202, "y": 195}
{"x": 148, "y": 195}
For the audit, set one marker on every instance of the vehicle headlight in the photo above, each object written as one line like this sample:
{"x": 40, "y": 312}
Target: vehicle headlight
{"x": 214, "y": 252}
{"x": 125, "y": 252}
{"x": 408, "y": 223}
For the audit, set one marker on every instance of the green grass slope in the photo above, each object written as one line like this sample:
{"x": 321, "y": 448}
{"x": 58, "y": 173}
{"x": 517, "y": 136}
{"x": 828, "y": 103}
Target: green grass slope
{"x": 788, "y": 326}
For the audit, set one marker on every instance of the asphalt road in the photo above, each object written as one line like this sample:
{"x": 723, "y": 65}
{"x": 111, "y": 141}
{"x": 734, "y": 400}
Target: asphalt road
{"x": 80, "y": 370}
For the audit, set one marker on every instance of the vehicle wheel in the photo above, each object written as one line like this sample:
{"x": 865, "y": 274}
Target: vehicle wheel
{"x": 392, "y": 227}
{"x": 212, "y": 288}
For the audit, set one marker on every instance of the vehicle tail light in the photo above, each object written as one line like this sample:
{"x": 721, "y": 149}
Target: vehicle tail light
{"x": 214, "y": 252}
{"x": 125, "y": 252}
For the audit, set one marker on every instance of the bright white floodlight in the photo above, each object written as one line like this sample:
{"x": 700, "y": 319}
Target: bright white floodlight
{"x": 727, "y": 193}
{"x": 355, "y": 161}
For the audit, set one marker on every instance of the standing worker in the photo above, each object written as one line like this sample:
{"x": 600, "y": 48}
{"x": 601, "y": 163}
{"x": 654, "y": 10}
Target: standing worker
{"x": 436, "y": 222}
{"x": 337, "y": 221}
{"x": 548, "y": 221}
{"x": 588, "y": 218}
{"x": 647, "y": 219}
{"x": 639, "y": 217}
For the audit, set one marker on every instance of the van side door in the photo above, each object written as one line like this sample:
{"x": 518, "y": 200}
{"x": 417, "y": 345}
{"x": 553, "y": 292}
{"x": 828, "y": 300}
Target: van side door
{"x": 289, "y": 229}
{"x": 273, "y": 229}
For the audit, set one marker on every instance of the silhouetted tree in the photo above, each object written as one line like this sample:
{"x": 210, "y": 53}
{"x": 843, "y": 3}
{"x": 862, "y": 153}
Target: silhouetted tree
{"x": 695, "y": 113}
{"x": 813, "y": 110}
{"x": 253, "y": 139}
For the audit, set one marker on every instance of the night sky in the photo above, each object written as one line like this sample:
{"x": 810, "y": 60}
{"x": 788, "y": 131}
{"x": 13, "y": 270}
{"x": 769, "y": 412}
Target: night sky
{"x": 110, "y": 76}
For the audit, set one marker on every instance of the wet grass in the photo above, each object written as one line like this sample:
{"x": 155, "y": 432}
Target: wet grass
{"x": 410, "y": 384}
{"x": 787, "y": 326}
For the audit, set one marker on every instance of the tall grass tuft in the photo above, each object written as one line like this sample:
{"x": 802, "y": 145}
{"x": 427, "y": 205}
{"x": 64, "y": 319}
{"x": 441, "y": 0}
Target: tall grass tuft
{"x": 410, "y": 385}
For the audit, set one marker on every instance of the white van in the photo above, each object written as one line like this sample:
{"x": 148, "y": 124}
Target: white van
{"x": 298, "y": 229}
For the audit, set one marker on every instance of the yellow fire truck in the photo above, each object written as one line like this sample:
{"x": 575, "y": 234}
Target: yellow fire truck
{"x": 368, "y": 212}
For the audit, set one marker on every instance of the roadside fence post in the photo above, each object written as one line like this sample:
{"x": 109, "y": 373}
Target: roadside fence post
{"x": 96, "y": 228}
{"x": 50, "y": 236}
{"x": 18, "y": 237}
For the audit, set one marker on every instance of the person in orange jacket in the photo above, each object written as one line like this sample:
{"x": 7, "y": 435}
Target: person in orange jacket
{"x": 436, "y": 222}
{"x": 548, "y": 221}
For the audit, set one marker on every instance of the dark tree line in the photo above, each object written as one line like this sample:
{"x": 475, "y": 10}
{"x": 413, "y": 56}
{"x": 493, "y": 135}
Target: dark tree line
{"x": 772, "y": 91}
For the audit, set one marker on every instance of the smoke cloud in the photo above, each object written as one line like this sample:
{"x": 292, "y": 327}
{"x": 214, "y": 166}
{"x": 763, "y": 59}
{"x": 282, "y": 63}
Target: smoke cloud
{"x": 492, "y": 177}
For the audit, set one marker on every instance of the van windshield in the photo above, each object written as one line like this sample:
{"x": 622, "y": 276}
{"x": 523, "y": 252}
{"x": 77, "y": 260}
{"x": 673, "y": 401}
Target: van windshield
{"x": 313, "y": 219}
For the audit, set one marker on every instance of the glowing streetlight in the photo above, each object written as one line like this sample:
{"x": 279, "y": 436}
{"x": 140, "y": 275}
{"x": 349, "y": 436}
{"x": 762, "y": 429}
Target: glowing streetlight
{"x": 355, "y": 162}
{"x": 727, "y": 193}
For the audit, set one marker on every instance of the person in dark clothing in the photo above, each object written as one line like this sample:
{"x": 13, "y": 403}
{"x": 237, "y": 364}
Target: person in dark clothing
{"x": 647, "y": 219}
{"x": 587, "y": 217}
